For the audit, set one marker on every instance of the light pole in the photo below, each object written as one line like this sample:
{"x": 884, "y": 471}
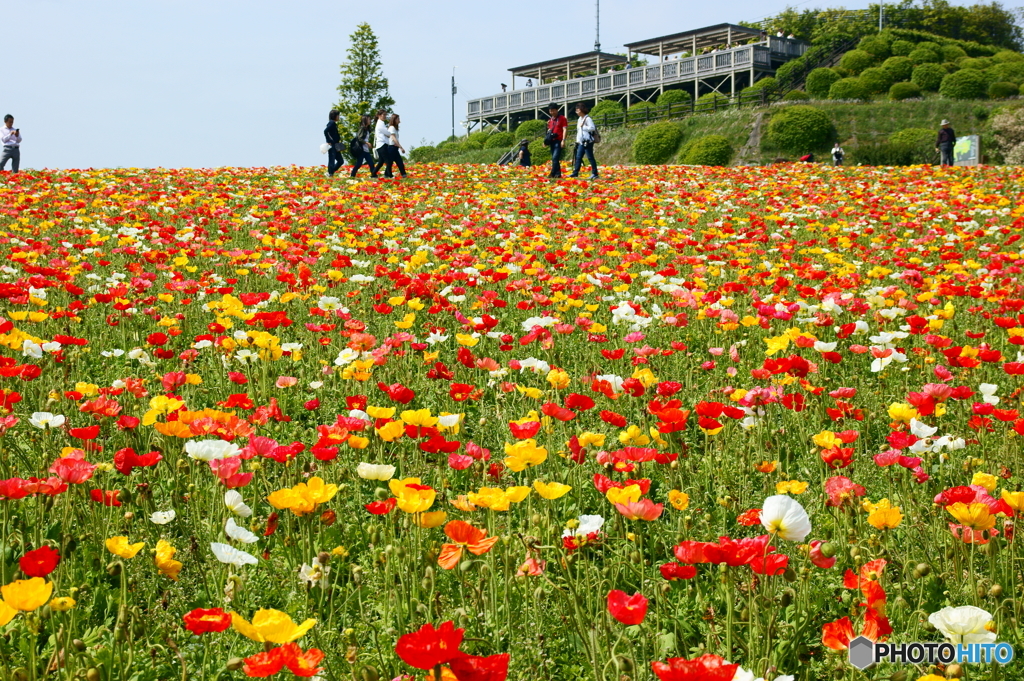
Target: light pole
{"x": 454, "y": 90}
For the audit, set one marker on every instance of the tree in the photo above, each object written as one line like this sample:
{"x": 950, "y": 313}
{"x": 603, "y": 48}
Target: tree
{"x": 363, "y": 89}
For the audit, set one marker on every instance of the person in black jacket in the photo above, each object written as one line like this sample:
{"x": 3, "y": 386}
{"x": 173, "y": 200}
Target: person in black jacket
{"x": 945, "y": 143}
{"x": 333, "y": 137}
{"x": 362, "y": 153}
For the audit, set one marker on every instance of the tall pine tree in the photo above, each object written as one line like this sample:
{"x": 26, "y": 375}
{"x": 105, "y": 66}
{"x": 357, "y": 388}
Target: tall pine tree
{"x": 363, "y": 89}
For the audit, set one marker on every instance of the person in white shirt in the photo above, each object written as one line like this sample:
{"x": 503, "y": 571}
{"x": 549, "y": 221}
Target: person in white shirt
{"x": 837, "y": 155}
{"x": 381, "y": 137}
{"x": 395, "y": 148}
{"x": 585, "y": 129}
{"x": 11, "y": 138}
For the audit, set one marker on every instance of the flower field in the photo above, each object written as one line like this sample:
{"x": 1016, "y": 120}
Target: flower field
{"x": 681, "y": 424}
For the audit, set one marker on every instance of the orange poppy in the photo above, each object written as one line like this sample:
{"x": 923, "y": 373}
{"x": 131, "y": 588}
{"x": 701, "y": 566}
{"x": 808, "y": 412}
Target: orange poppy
{"x": 463, "y": 535}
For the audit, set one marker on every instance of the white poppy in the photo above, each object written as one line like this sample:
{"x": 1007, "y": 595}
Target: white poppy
{"x": 314, "y": 574}
{"x": 233, "y": 500}
{"x": 825, "y": 347}
{"x": 588, "y": 524}
{"x": 211, "y": 450}
{"x": 232, "y": 556}
{"x": 965, "y": 624}
{"x": 31, "y": 349}
{"x": 162, "y": 517}
{"x": 988, "y": 393}
{"x": 44, "y": 419}
{"x": 375, "y": 471}
{"x": 920, "y": 429}
{"x": 237, "y": 533}
{"x": 784, "y": 517}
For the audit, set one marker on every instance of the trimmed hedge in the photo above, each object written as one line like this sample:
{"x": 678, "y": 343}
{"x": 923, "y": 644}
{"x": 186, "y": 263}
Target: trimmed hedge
{"x": 769, "y": 82}
{"x": 904, "y": 90}
{"x": 901, "y": 48}
{"x": 500, "y": 140}
{"x": 976, "y": 63}
{"x": 1007, "y": 56}
{"x": 928, "y": 77}
{"x": 530, "y": 129}
{"x": 710, "y": 150}
{"x": 964, "y": 84}
{"x": 952, "y": 53}
{"x": 674, "y": 97}
{"x": 856, "y": 61}
{"x": 899, "y": 68}
{"x": 607, "y": 106}
{"x": 848, "y": 88}
{"x": 1008, "y": 72}
{"x": 799, "y": 129}
{"x": 656, "y": 143}
{"x": 875, "y": 45}
{"x": 1003, "y": 90}
{"x": 709, "y": 100}
{"x": 876, "y": 80}
{"x": 796, "y": 96}
{"x": 914, "y": 137}
{"x": 922, "y": 55}
{"x": 820, "y": 80}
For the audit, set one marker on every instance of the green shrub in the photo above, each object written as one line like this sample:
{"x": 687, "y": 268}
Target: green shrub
{"x": 1008, "y": 56}
{"x": 469, "y": 144}
{"x": 905, "y": 90}
{"x": 1008, "y": 72}
{"x": 856, "y": 61}
{"x": 929, "y": 45}
{"x": 643, "y": 111}
{"x": 424, "y": 154}
{"x": 768, "y": 83}
{"x": 924, "y": 56}
{"x": 674, "y": 97}
{"x": 1003, "y": 90}
{"x": 785, "y": 73}
{"x": 796, "y": 96}
{"x": 881, "y": 154}
{"x": 657, "y": 143}
{"x": 800, "y": 128}
{"x": 500, "y": 140}
{"x": 876, "y": 80}
{"x": 531, "y": 129}
{"x": 952, "y": 53}
{"x": 901, "y": 48}
{"x": 1022, "y": 89}
{"x": 928, "y": 77}
{"x": 964, "y": 84}
{"x": 607, "y": 108}
{"x": 710, "y": 150}
{"x": 876, "y": 46}
{"x": 976, "y": 63}
{"x": 712, "y": 100}
{"x": 899, "y": 68}
{"x": 478, "y": 137}
{"x": 819, "y": 81}
{"x": 915, "y": 138}
{"x": 848, "y": 88}
{"x": 540, "y": 154}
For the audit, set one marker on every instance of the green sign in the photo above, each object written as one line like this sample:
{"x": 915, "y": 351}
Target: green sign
{"x": 967, "y": 151}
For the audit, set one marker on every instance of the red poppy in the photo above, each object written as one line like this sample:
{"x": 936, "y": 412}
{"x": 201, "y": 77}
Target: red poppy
{"x": 39, "y": 562}
{"x": 474, "y": 668}
{"x": 86, "y": 433}
{"x": 304, "y": 664}
{"x": 627, "y": 609}
{"x": 262, "y": 665}
{"x": 206, "y": 620}
{"x": 381, "y": 507}
{"x": 704, "y": 668}
{"x": 428, "y": 647}
{"x": 397, "y": 392}
{"x": 673, "y": 571}
{"x": 105, "y": 497}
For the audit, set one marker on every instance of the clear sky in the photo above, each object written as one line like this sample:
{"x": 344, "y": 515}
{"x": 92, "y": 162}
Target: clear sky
{"x": 203, "y": 83}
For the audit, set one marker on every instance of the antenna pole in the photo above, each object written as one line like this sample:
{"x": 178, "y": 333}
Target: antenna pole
{"x": 597, "y": 39}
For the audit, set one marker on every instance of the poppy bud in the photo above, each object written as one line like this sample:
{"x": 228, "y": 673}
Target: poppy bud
{"x": 381, "y": 494}
{"x": 357, "y": 574}
{"x": 787, "y": 597}
{"x": 538, "y": 593}
{"x": 901, "y": 675}
{"x": 923, "y": 568}
{"x": 370, "y": 674}
{"x": 234, "y": 664}
{"x": 129, "y": 515}
{"x": 93, "y": 674}
{"x": 422, "y": 609}
{"x": 78, "y": 644}
{"x": 623, "y": 664}
{"x": 745, "y": 615}
{"x": 466, "y": 565}
{"x": 789, "y": 575}
{"x": 114, "y": 569}
{"x": 954, "y": 671}
{"x": 828, "y": 550}
{"x": 855, "y": 552}
{"x": 996, "y": 591}
{"x": 992, "y": 548}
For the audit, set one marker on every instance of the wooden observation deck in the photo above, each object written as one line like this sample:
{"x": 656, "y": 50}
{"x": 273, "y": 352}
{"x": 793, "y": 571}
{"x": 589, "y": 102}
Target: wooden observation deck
{"x": 724, "y": 58}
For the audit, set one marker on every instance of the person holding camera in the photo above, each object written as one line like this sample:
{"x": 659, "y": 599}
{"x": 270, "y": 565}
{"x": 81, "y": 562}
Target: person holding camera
{"x": 585, "y": 130}
{"x": 11, "y": 138}
{"x": 555, "y": 136}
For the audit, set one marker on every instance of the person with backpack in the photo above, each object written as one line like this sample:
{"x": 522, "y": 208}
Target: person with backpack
{"x": 333, "y": 137}
{"x": 381, "y": 136}
{"x": 360, "y": 148}
{"x": 837, "y": 155}
{"x": 554, "y": 138}
{"x": 586, "y": 137}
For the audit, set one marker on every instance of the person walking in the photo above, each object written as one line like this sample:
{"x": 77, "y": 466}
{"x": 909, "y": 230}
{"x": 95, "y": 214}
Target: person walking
{"x": 837, "y": 155}
{"x": 585, "y": 130}
{"x": 394, "y": 147}
{"x": 11, "y": 138}
{"x": 361, "y": 148}
{"x": 944, "y": 145}
{"x": 524, "y": 153}
{"x": 380, "y": 141}
{"x": 333, "y": 137}
{"x": 557, "y": 124}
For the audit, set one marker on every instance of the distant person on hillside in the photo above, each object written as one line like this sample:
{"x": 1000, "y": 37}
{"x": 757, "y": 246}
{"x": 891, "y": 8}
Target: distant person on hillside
{"x": 394, "y": 147}
{"x": 361, "y": 148}
{"x": 807, "y": 158}
{"x": 585, "y": 129}
{"x": 524, "y": 153}
{"x": 946, "y": 141}
{"x": 503, "y": 87}
{"x": 333, "y": 138}
{"x": 380, "y": 140}
{"x": 557, "y": 124}
{"x": 11, "y": 137}
{"x": 529, "y": 82}
{"x": 837, "y": 155}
